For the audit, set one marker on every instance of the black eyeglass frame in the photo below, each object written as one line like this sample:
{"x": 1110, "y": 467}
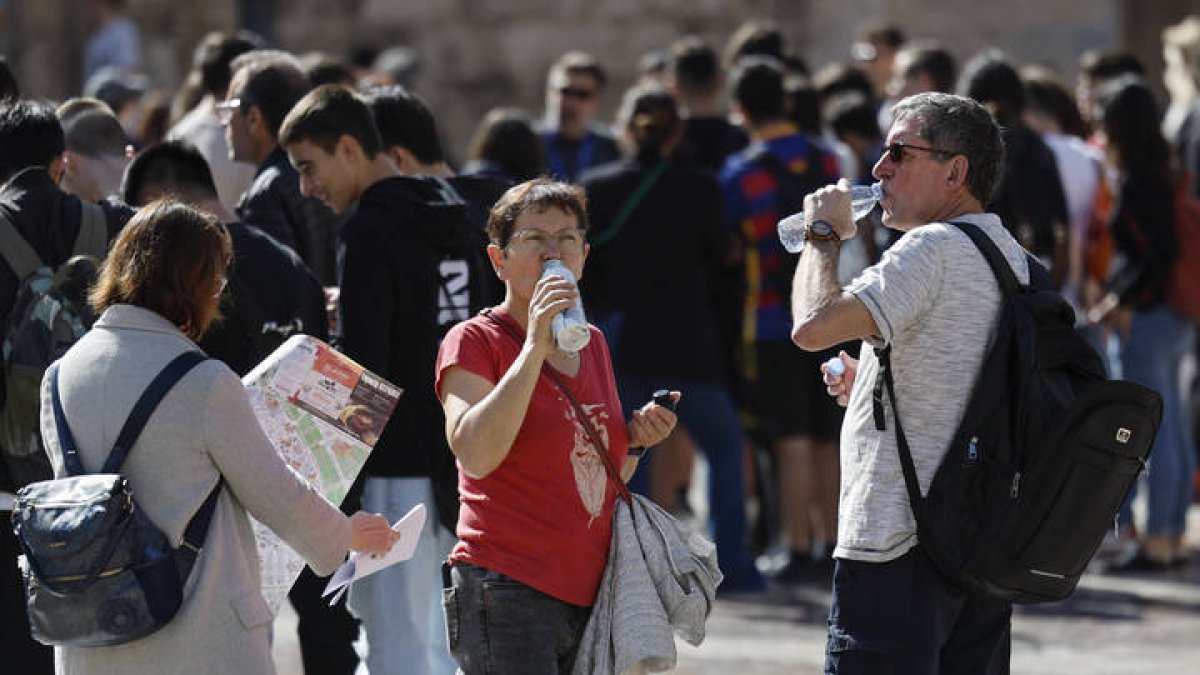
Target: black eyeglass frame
{"x": 895, "y": 151}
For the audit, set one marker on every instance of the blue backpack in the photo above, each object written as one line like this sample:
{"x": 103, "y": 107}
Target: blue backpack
{"x": 97, "y": 571}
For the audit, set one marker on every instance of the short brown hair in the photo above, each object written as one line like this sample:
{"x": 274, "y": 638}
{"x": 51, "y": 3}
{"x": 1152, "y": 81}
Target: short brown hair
{"x": 326, "y": 114}
{"x": 167, "y": 259}
{"x": 580, "y": 63}
{"x": 539, "y": 194}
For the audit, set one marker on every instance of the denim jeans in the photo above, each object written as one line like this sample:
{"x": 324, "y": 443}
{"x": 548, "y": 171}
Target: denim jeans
{"x": 1158, "y": 341}
{"x": 499, "y": 626}
{"x": 399, "y": 607}
{"x": 902, "y": 617}
{"x": 707, "y": 412}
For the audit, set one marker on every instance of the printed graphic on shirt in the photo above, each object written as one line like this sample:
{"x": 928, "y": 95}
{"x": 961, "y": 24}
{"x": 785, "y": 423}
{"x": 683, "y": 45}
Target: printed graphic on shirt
{"x": 590, "y": 477}
{"x": 454, "y": 297}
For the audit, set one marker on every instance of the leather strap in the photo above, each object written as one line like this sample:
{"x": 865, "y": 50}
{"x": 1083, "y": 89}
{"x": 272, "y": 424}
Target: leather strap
{"x": 593, "y": 435}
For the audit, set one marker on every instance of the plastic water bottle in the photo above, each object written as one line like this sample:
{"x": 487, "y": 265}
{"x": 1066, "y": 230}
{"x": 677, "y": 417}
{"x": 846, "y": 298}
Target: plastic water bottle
{"x": 863, "y": 199}
{"x": 570, "y": 327}
{"x": 835, "y": 367}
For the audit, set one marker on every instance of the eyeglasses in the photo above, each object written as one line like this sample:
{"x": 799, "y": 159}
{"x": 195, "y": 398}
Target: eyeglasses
{"x": 225, "y": 109}
{"x": 534, "y": 240}
{"x": 579, "y": 93}
{"x": 895, "y": 151}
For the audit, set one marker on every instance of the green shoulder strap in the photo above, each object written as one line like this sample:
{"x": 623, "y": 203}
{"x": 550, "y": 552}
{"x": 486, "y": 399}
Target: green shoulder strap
{"x": 630, "y": 205}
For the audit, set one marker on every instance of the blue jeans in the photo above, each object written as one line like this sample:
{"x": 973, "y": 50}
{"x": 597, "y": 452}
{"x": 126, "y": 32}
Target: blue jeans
{"x": 902, "y": 617}
{"x": 399, "y": 607}
{"x": 707, "y": 412}
{"x": 498, "y": 625}
{"x": 1158, "y": 341}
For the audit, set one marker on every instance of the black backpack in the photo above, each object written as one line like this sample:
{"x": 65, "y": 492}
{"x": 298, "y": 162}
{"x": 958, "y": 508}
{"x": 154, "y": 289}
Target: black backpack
{"x": 50, "y": 313}
{"x": 1044, "y": 456}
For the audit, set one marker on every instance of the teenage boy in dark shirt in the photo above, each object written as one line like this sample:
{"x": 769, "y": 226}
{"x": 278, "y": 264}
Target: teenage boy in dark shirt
{"x": 405, "y": 273}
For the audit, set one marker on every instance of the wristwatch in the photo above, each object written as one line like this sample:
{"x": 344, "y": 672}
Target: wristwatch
{"x": 821, "y": 230}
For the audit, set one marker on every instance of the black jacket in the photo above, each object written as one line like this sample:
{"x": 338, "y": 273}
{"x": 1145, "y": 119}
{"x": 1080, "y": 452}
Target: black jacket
{"x": 273, "y": 203}
{"x": 411, "y": 266}
{"x": 648, "y": 285}
{"x": 271, "y": 295}
{"x": 1030, "y": 199}
{"x": 481, "y": 193}
{"x": 1143, "y": 228}
{"x": 708, "y": 141}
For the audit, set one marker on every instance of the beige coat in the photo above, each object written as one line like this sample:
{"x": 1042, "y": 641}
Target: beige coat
{"x": 203, "y": 429}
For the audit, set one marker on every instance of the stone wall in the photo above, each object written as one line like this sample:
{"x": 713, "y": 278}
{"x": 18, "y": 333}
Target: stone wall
{"x": 476, "y": 54}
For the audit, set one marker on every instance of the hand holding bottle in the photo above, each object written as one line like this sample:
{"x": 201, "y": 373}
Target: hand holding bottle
{"x": 839, "y": 373}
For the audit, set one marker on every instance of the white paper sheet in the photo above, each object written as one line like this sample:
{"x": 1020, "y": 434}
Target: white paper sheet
{"x": 361, "y": 565}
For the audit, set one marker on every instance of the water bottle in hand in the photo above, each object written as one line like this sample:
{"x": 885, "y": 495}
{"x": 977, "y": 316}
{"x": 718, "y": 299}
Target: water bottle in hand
{"x": 570, "y": 327}
{"x": 863, "y": 199}
{"x": 835, "y": 367}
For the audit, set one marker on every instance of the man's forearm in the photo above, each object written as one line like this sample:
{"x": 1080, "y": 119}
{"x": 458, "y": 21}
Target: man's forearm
{"x": 815, "y": 284}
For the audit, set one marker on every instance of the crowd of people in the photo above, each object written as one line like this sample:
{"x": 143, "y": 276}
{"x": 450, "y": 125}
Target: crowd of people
{"x": 329, "y": 196}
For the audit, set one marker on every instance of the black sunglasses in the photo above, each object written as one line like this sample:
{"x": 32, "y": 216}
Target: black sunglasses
{"x": 577, "y": 93}
{"x": 895, "y": 151}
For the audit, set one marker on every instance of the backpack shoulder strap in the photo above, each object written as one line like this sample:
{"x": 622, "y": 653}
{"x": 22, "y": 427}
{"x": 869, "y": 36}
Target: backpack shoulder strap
{"x": 631, "y": 203}
{"x": 995, "y": 259}
{"x": 145, "y": 406}
{"x": 885, "y": 384}
{"x": 17, "y": 252}
{"x": 66, "y": 441}
{"x": 93, "y": 231}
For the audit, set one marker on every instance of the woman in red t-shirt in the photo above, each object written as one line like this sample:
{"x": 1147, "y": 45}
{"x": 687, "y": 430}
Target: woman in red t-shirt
{"x": 535, "y": 522}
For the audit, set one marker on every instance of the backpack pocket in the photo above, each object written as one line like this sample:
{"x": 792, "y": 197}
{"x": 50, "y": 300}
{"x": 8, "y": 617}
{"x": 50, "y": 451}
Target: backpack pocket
{"x": 1072, "y": 495}
{"x": 1083, "y": 507}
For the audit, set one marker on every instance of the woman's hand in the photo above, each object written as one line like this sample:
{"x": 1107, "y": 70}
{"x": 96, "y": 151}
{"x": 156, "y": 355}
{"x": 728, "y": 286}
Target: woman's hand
{"x": 840, "y": 387}
{"x": 552, "y": 296}
{"x": 651, "y": 424}
{"x": 371, "y": 533}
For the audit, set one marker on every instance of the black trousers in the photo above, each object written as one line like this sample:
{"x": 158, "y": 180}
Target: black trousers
{"x": 326, "y": 634}
{"x": 902, "y": 617}
{"x": 16, "y": 646}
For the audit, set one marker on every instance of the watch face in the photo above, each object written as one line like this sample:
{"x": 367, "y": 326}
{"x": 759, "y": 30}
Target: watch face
{"x": 821, "y": 228}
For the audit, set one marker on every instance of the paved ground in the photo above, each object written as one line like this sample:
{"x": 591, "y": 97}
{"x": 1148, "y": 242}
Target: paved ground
{"x": 1113, "y": 625}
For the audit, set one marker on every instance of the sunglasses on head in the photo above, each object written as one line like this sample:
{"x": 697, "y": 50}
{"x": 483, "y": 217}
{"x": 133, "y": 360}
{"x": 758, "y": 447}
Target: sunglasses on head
{"x": 895, "y": 151}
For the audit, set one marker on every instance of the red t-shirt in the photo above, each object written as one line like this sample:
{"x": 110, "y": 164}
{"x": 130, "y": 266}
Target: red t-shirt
{"x": 544, "y": 516}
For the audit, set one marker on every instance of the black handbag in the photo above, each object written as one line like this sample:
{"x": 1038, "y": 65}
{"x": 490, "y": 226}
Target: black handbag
{"x": 97, "y": 571}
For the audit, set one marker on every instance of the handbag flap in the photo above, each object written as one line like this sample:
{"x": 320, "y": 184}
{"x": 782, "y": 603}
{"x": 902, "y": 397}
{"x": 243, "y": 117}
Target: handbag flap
{"x": 65, "y": 517}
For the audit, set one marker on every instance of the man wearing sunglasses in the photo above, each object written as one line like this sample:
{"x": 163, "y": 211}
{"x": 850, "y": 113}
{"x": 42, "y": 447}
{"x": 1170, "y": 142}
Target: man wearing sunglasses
{"x": 933, "y": 302}
{"x": 573, "y": 142}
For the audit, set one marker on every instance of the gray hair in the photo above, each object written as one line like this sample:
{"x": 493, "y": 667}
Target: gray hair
{"x": 960, "y": 126}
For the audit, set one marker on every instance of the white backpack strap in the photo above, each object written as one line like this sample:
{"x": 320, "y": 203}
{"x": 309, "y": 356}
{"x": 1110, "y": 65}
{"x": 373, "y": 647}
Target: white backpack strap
{"x": 93, "y": 231}
{"x": 17, "y": 252}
